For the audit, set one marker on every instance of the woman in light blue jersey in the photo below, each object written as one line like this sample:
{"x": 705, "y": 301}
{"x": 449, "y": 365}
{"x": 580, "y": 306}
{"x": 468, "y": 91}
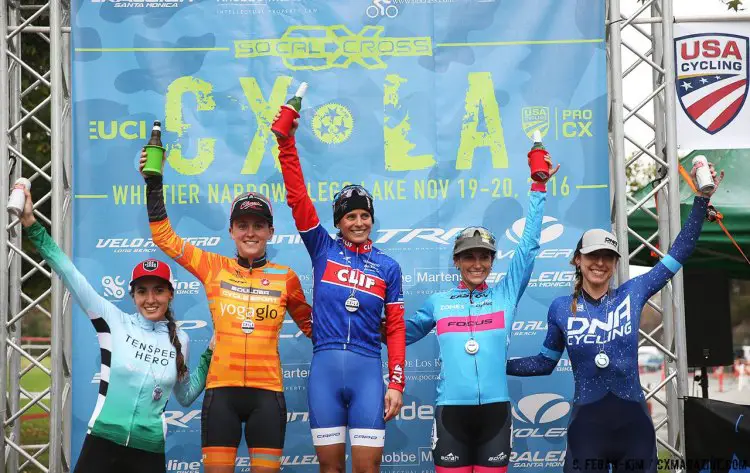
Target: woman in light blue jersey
{"x": 609, "y": 426}
{"x": 473, "y": 417}
{"x": 144, "y": 358}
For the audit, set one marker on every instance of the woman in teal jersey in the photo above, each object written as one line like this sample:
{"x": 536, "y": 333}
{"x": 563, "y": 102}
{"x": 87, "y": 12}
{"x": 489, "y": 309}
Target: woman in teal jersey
{"x": 473, "y": 417}
{"x": 144, "y": 358}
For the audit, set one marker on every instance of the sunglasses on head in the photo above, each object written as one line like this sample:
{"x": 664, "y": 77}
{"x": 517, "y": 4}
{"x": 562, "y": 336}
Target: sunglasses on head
{"x": 347, "y": 192}
{"x": 484, "y": 234}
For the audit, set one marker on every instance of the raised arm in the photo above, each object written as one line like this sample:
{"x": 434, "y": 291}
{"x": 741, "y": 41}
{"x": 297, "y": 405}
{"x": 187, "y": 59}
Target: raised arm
{"x": 306, "y": 219}
{"x": 190, "y": 387}
{"x": 187, "y": 255}
{"x": 96, "y": 307}
{"x": 297, "y": 305}
{"x": 683, "y": 247}
{"x": 519, "y": 271}
{"x": 421, "y": 323}
{"x": 543, "y": 363}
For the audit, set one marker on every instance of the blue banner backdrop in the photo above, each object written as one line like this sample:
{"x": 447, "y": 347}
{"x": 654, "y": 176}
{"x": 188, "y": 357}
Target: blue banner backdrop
{"x": 429, "y": 103}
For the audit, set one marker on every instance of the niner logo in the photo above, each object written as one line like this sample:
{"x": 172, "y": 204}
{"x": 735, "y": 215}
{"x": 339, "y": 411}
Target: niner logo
{"x": 146, "y": 245}
{"x": 318, "y": 47}
{"x": 589, "y": 331}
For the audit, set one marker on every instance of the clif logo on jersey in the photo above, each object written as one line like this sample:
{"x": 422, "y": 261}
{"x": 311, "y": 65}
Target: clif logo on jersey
{"x": 711, "y": 78}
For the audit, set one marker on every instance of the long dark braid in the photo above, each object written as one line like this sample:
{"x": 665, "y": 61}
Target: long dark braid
{"x": 577, "y": 288}
{"x": 182, "y": 368}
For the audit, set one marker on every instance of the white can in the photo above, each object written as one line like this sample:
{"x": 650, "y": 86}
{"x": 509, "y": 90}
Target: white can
{"x": 17, "y": 198}
{"x": 703, "y": 174}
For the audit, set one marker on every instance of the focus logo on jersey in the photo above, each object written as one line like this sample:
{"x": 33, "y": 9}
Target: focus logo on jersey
{"x": 585, "y": 331}
{"x": 348, "y": 277}
{"x": 479, "y": 323}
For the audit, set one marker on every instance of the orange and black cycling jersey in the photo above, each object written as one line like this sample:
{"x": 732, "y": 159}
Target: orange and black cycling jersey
{"x": 247, "y": 304}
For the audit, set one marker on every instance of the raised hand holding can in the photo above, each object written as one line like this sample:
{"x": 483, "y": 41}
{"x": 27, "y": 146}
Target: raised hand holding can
{"x": 539, "y": 166}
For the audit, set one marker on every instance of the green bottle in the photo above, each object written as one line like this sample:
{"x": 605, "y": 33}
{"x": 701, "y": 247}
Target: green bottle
{"x": 296, "y": 101}
{"x": 289, "y": 112}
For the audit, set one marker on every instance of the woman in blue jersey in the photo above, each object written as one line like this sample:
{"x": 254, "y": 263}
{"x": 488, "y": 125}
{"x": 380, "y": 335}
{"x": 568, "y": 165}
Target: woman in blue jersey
{"x": 473, "y": 416}
{"x": 354, "y": 285}
{"x": 144, "y": 358}
{"x": 598, "y": 325}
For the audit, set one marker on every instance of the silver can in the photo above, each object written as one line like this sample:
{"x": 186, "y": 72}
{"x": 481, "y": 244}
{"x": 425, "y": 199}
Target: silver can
{"x": 703, "y": 174}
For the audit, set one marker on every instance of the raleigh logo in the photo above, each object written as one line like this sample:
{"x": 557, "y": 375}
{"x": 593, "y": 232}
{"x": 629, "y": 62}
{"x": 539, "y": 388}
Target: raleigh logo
{"x": 318, "y": 47}
{"x": 549, "y": 233}
{"x": 541, "y": 408}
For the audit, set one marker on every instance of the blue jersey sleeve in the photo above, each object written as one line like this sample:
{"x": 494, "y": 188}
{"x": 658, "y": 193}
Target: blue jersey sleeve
{"x": 422, "y": 322}
{"x": 519, "y": 272}
{"x": 554, "y": 344}
{"x": 683, "y": 247}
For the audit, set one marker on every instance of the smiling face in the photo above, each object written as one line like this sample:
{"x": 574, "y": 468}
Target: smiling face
{"x": 356, "y": 226}
{"x": 152, "y": 296}
{"x": 597, "y": 267}
{"x": 251, "y": 234}
{"x": 474, "y": 265}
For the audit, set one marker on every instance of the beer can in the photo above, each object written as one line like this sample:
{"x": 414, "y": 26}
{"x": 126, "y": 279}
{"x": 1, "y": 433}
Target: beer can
{"x": 17, "y": 198}
{"x": 703, "y": 174}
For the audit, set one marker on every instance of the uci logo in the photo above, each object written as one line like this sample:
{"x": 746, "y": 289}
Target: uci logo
{"x": 541, "y": 408}
{"x": 550, "y": 232}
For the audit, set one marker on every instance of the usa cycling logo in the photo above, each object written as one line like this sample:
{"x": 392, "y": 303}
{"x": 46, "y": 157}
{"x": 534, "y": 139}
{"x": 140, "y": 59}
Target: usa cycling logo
{"x": 711, "y": 78}
{"x": 551, "y": 230}
{"x": 542, "y": 408}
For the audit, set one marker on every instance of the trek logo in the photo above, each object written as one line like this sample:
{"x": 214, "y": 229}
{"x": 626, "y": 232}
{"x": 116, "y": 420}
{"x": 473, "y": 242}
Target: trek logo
{"x": 588, "y": 330}
{"x": 542, "y": 408}
{"x": 552, "y": 231}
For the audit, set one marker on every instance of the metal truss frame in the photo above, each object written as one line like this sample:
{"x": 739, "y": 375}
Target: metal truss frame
{"x": 651, "y": 22}
{"x": 36, "y": 100}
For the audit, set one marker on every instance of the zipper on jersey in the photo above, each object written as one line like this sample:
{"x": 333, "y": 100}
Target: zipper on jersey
{"x": 135, "y": 408}
{"x": 476, "y": 365}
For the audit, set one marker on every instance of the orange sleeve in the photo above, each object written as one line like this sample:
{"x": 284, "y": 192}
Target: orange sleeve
{"x": 187, "y": 255}
{"x": 297, "y": 305}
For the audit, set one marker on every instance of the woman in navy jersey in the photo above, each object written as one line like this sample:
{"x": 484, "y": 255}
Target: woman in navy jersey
{"x": 598, "y": 325}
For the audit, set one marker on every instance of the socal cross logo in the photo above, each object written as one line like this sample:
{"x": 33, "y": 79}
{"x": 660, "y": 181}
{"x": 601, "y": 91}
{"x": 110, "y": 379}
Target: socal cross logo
{"x": 711, "y": 78}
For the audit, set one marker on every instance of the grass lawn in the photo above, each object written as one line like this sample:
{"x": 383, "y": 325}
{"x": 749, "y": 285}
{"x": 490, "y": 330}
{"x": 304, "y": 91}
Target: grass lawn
{"x": 34, "y": 431}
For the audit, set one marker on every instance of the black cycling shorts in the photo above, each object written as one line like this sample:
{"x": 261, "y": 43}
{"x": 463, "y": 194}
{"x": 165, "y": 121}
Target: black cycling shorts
{"x": 472, "y": 435}
{"x": 99, "y": 455}
{"x": 225, "y": 409}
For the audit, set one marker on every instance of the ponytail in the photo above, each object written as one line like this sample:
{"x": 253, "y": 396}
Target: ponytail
{"x": 182, "y": 368}
{"x": 577, "y": 288}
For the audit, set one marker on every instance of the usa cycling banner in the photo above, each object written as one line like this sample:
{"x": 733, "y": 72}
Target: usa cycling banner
{"x": 430, "y": 104}
{"x": 711, "y": 62}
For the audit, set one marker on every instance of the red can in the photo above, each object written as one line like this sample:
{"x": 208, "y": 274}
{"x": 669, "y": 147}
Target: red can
{"x": 283, "y": 126}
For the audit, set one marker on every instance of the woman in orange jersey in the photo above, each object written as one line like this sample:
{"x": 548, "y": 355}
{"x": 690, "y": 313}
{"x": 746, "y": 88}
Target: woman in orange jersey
{"x": 247, "y": 296}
